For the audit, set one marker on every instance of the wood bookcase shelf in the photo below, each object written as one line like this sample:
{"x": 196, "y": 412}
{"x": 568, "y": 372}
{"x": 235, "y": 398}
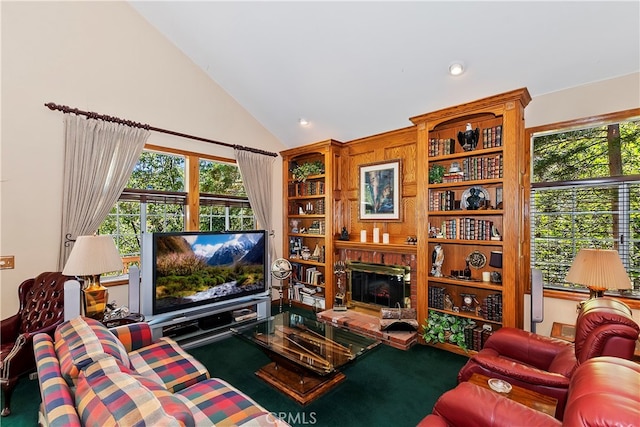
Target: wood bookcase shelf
{"x": 311, "y": 203}
{"x": 504, "y": 164}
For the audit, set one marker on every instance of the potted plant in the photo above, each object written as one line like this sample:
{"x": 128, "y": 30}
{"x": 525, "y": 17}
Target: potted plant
{"x": 445, "y": 328}
{"x": 436, "y": 174}
{"x": 302, "y": 172}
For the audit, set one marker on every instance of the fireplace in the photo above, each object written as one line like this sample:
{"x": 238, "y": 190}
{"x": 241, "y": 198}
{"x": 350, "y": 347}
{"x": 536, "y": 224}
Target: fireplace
{"x": 378, "y": 285}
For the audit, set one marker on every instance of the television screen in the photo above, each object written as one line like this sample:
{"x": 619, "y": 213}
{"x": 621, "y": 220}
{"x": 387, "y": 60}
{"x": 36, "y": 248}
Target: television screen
{"x": 197, "y": 268}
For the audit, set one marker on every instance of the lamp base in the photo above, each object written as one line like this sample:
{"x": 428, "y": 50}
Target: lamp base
{"x": 95, "y": 300}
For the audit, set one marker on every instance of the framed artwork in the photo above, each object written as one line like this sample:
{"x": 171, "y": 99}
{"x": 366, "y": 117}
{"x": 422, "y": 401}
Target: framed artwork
{"x": 380, "y": 191}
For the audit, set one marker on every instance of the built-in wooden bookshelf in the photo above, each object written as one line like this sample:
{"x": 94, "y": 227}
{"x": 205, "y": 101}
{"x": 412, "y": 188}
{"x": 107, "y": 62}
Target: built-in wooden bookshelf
{"x": 308, "y": 223}
{"x": 479, "y": 207}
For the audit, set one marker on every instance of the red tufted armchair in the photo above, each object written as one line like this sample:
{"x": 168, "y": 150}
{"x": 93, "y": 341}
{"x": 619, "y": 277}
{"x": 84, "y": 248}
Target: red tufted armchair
{"x": 604, "y": 327}
{"x": 41, "y": 310}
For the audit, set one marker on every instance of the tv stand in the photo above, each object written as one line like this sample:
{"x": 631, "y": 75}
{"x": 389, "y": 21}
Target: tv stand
{"x": 206, "y": 325}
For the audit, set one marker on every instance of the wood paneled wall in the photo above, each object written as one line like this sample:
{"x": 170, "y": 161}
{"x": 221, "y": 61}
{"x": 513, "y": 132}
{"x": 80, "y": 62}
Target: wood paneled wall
{"x": 398, "y": 144}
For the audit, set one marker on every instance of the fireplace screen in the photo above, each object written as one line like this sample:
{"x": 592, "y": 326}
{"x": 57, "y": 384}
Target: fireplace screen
{"x": 378, "y": 285}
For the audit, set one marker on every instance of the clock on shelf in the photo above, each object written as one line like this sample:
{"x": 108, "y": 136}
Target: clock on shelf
{"x": 469, "y": 302}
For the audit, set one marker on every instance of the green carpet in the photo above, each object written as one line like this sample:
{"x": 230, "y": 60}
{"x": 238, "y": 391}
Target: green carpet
{"x": 386, "y": 387}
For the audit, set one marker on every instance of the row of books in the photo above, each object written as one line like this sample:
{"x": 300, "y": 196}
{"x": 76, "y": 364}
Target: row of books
{"x": 302, "y": 293}
{"x": 317, "y": 227}
{"x": 306, "y": 188}
{"x": 466, "y": 229}
{"x": 476, "y": 336}
{"x": 492, "y": 307}
{"x": 307, "y": 274}
{"x": 441, "y": 146}
{"x": 436, "y": 297}
{"x": 485, "y": 167}
{"x": 443, "y": 200}
{"x": 491, "y": 137}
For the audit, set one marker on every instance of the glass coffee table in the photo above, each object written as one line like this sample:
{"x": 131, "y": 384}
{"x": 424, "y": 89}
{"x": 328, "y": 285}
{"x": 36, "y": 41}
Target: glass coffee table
{"x": 307, "y": 355}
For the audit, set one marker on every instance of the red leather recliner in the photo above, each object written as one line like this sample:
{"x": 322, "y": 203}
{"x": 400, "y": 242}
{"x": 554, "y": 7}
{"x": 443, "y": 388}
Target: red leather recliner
{"x": 41, "y": 310}
{"x": 604, "y": 327}
{"x": 604, "y": 391}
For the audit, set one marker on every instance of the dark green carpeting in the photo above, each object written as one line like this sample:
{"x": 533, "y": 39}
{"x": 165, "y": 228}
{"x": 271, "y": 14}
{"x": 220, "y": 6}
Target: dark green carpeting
{"x": 386, "y": 387}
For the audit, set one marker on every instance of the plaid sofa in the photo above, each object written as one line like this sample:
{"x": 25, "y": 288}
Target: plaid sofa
{"x": 94, "y": 376}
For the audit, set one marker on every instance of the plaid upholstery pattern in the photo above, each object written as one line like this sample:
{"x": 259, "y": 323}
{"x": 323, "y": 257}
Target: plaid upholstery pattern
{"x": 166, "y": 363}
{"x": 134, "y": 335}
{"x": 57, "y": 401}
{"x": 218, "y": 403}
{"x": 159, "y": 384}
{"x": 81, "y": 341}
{"x": 107, "y": 396}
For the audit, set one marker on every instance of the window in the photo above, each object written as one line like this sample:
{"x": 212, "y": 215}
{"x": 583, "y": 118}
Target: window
{"x": 585, "y": 193}
{"x": 156, "y": 200}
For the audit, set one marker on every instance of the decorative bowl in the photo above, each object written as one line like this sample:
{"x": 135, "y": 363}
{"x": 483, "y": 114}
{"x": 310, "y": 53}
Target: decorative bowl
{"x": 499, "y": 385}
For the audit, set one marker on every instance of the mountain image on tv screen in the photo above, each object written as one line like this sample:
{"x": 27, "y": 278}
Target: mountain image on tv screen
{"x": 192, "y": 269}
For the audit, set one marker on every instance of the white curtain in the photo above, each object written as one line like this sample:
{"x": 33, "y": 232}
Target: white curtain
{"x": 99, "y": 159}
{"x": 256, "y": 171}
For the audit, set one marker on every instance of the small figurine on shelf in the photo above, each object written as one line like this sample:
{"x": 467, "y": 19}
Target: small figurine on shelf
{"x": 495, "y": 234}
{"x": 294, "y": 225}
{"x": 316, "y": 253}
{"x": 467, "y": 271}
{"x": 448, "y": 304}
{"x": 473, "y": 201}
{"x": 437, "y": 258}
{"x": 469, "y": 138}
{"x": 344, "y": 234}
{"x": 339, "y": 268}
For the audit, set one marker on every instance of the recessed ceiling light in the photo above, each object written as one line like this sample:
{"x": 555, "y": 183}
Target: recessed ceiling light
{"x": 303, "y": 122}
{"x": 456, "y": 68}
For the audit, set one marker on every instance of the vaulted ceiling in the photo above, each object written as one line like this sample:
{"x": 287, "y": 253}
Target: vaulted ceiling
{"x": 359, "y": 68}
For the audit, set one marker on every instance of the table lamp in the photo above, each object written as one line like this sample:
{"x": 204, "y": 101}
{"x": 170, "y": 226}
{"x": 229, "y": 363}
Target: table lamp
{"x": 599, "y": 270}
{"x": 495, "y": 260}
{"x": 90, "y": 257}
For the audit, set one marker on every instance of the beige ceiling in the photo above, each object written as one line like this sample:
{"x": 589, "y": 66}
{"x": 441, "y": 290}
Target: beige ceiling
{"x": 359, "y": 68}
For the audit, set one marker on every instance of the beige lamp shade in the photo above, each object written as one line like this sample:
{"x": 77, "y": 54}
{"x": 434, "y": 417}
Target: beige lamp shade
{"x": 599, "y": 270}
{"x": 92, "y": 255}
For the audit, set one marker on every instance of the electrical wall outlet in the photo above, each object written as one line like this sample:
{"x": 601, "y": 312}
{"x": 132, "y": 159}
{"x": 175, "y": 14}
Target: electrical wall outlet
{"x": 7, "y": 262}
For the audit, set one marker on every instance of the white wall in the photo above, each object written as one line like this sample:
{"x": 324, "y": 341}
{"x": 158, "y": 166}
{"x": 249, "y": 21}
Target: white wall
{"x": 103, "y": 57}
{"x": 609, "y": 96}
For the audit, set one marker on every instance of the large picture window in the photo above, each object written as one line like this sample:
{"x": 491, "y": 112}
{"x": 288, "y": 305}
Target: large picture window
{"x": 156, "y": 200}
{"x": 585, "y": 193}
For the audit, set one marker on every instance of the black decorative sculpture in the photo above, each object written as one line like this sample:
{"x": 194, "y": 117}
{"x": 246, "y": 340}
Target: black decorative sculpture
{"x": 469, "y": 138}
{"x": 344, "y": 235}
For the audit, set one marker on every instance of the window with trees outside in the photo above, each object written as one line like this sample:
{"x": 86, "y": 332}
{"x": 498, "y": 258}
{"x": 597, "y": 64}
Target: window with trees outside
{"x": 156, "y": 199}
{"x": 585, "y": 192}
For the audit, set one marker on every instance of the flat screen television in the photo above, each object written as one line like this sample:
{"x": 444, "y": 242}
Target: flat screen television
{"x": 191, "y": 269}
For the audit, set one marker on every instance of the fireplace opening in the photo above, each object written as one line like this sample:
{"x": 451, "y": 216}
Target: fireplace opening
{"x": 378, "y": 285}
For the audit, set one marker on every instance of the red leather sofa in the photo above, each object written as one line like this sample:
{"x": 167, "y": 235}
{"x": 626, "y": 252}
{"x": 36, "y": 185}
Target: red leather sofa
{"x": 604, "y": 327}
{"x": 603, "y": 391}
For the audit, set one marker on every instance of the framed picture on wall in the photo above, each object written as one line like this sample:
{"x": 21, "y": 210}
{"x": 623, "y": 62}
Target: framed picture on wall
{"x": 379, "y": 191}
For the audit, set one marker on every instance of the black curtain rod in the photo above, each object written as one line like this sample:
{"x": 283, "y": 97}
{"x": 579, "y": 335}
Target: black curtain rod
{"x": 92, "y": 115}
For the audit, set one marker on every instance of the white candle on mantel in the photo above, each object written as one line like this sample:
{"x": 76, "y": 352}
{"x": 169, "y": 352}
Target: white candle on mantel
{"x": 376, "y": 235}
{"x": 363, "y": 236}
{"x": 385, "y": 238}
